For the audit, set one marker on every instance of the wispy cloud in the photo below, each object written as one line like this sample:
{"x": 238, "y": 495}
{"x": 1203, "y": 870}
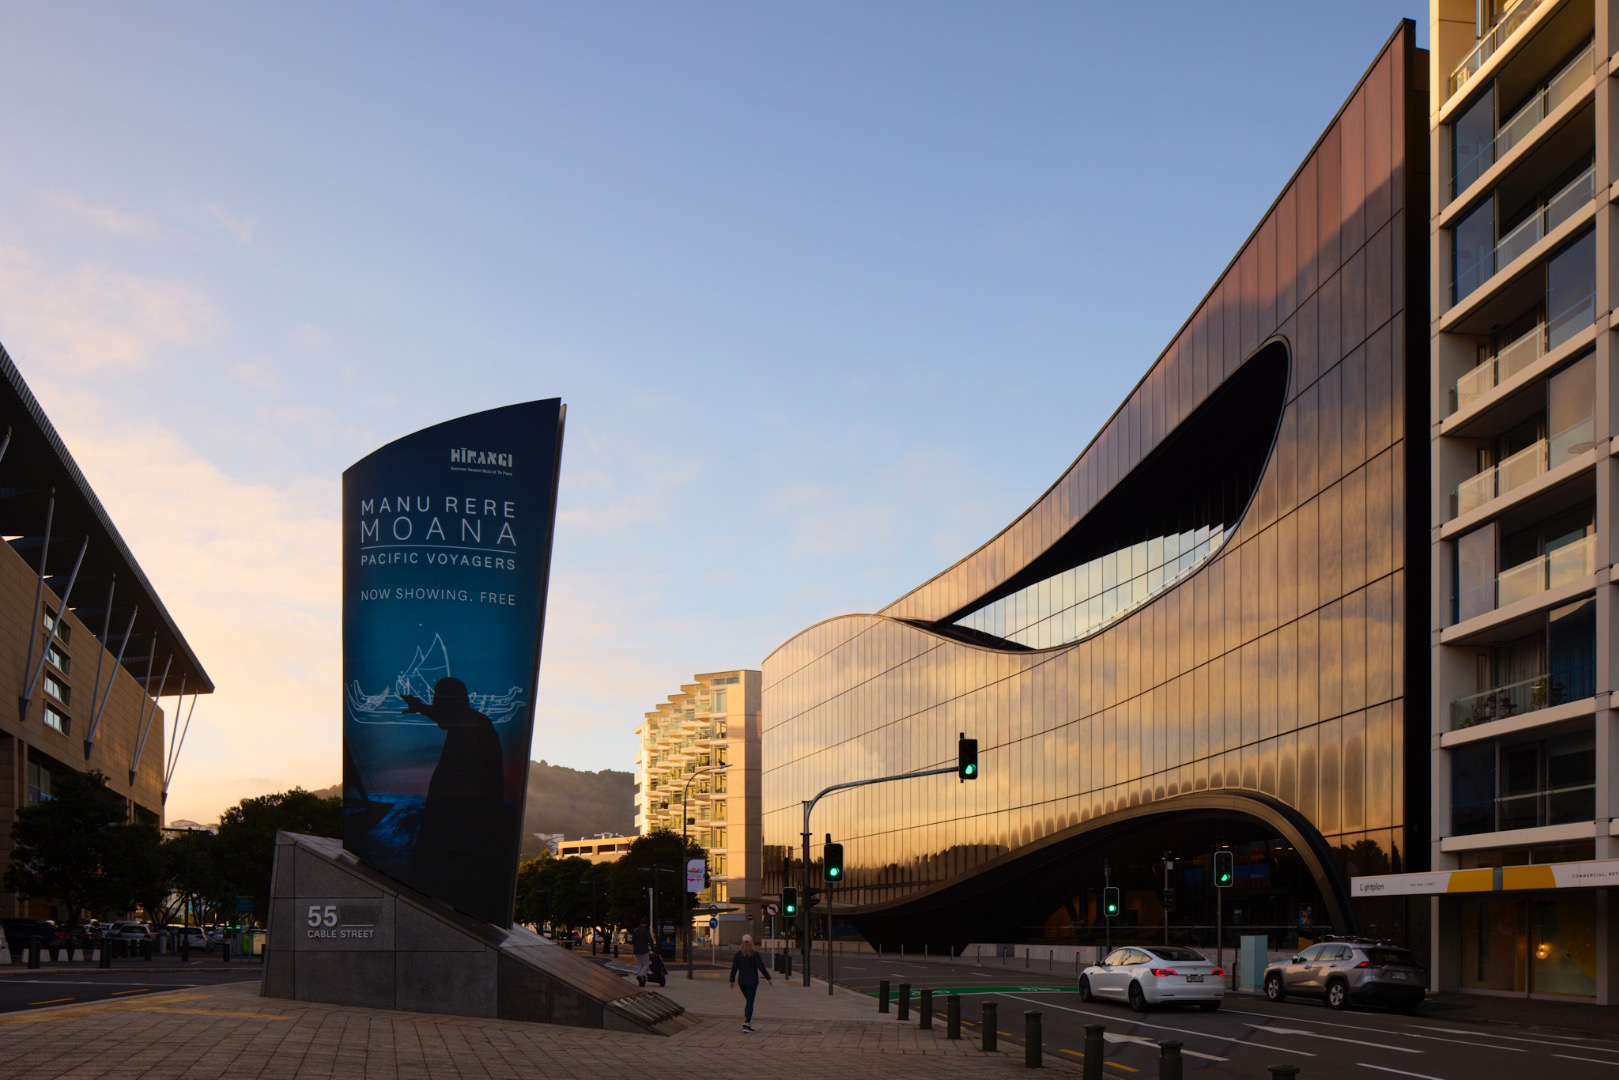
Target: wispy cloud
{"x": 118, "y": 222}
{"x": 243, "y": 229}
{"x": 94, "y": 317}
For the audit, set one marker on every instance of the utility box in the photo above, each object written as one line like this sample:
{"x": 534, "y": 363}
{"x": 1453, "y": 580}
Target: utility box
{"x": 1252, "y": 955}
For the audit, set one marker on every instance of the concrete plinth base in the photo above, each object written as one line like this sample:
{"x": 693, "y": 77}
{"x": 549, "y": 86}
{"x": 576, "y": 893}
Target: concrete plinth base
{"x": 345, "y": 934}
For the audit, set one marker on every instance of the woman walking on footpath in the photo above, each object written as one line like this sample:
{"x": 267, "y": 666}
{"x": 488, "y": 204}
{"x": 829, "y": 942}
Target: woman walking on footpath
{"x": 746, "y": 967}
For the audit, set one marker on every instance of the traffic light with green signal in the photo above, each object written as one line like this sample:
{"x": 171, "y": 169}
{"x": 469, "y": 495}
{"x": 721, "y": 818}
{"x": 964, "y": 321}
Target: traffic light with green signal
{"x": 966, "y": 758}
{"x": 1224, "y": 870}
{"x": 1110, "y": 901}
{"x": 832, "y": 856}
{"x": 789, "y": 901}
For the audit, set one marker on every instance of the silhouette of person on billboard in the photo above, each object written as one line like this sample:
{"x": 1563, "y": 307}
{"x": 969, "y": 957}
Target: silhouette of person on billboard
{"x": 462, "y": 826}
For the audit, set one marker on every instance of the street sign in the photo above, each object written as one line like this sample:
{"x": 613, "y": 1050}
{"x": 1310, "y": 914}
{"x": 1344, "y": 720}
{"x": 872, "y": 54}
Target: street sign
{"x": 713, "y": 923}
{"x": 772, "y": 908}
{"x": 713, "y": 909}
{"x": 694, "y": 874}
{"x": 244, "y": 904}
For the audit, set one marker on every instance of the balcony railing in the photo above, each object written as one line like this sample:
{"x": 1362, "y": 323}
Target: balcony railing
{"x": 1525, "y": 235}
{"x": 1506, "y": 363}
{"x": 1559, "y": 89}
{"x": 1497, "y": 480}
{"x": 1525, "y": 696}
{"x": 1527, "y": 810}
{"x": 1557, "y": 567}
{"x": 1492, "y": 40}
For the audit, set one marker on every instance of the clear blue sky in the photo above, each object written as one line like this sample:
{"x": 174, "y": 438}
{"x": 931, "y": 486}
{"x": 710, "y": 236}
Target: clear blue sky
{"x": 832, "y": 291}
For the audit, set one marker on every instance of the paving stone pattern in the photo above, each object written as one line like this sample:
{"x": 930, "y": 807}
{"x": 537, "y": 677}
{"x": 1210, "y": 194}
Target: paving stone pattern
{"x": 230, "y": 1031}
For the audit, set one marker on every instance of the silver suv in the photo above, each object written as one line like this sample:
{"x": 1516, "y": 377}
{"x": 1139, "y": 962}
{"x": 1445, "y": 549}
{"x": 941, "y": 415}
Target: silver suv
{"x": 1351, "y": 970}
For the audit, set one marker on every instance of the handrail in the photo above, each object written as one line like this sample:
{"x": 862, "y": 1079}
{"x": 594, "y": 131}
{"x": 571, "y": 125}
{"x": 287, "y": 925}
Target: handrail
{"x": 1510, "y": 359}
{"x": 1523, "y": 696}
{"x": 1550, "y": 214}
{"x": 1490, "y": 42}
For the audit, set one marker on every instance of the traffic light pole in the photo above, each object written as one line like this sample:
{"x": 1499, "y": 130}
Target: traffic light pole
{"x": 809, "y": 921}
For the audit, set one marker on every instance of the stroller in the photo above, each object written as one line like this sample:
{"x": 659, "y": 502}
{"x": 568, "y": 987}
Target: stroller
{"x": 656, "y": 971}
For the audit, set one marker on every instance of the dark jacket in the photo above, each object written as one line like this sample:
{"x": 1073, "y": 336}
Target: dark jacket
{"x": 640, "y": 940}
{"x": 747, "y": 969}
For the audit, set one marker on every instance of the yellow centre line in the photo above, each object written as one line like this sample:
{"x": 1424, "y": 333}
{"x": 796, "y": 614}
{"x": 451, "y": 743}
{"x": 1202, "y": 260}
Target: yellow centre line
{"x": 1109, "y": 1064}
{"x": 52, "y": 1001}
{"x": 141, "y": 990}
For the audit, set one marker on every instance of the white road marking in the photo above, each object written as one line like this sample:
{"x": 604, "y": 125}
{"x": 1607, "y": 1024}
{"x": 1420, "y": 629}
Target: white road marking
{"x": 1111, "y": 1036}
{"x": 1547, "y": 1041}
{"x": 1333, "y": 1038}
{"x": 1398, "y": 1072}
{"x": 1156, "y": 1027}
{"x": 1594, "y": 1061}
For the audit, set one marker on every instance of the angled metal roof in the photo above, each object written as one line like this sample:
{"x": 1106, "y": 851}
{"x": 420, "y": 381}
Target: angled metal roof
{"x": 36, "y": 463}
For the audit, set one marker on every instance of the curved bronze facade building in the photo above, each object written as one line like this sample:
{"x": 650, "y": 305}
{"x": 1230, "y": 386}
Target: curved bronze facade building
{"x": 1197, "y": 638}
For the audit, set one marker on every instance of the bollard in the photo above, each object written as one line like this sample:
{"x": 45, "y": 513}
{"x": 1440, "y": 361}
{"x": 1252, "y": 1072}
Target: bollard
{"x": 33, "y": 951}
{"x": 224, "y": 950}
{"x": 789, "y": 957}
{"x": 952, "y": 1017}
{"x": 925, "y": 1009}
{"x": 1093, "y": 1051}
{"x": 990, "y": 1023}
{"x": 980, "y": 956}
{"x": 1283, "y": 1071}
{"x": 1031, "y": 1040}
{"x": 1026, "y": 953}
{"x": 1169, "y": 1059}
{"x": 882, "y": 996}
{"x": 904, "y": 1001}
{"x": 106, "y": 953}
{"x": 146, "y": 949}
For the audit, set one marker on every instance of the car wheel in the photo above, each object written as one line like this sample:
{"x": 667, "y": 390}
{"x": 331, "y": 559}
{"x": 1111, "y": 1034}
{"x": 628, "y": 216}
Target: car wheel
{"x": 1273, "y": 987}
{"x": 1138, "y": 1000}
{"x": 1209, "y": 1006}
{"x": 1337, "y": 994}
{"x": 1085, "y": 989}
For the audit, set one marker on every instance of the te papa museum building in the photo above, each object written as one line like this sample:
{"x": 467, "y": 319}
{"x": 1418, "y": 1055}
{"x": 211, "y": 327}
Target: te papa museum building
{"x": 1215, "y": 631}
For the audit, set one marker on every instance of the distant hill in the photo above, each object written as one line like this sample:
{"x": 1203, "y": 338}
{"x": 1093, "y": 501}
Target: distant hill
{"x": 570, "y": 802}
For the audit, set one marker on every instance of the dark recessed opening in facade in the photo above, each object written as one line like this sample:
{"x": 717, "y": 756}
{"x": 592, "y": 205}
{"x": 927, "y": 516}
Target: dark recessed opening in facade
{"x": 1171, "y": 514}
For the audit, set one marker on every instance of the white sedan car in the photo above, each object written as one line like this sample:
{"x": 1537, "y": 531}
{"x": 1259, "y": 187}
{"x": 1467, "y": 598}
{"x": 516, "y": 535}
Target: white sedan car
{"x": 1148, "y": 975}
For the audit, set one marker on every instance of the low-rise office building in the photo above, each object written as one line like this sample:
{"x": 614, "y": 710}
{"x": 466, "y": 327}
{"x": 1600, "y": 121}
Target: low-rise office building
{"x": 85, "y": 642}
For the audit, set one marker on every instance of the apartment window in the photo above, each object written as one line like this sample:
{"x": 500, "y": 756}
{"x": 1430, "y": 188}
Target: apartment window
{"x": 1472, "y": 142}
{"x": 1473, "y": 250}
{"x": 1571, "y": 285}
{"x": 718, "y": 838}
{"x": 56, "y": 688}
{"x": 56, "y": 718}
{"x": 719, "y": 701}
{"x": 58, "y": 657}
{"x": 1570, "y": 410}
{"x": 1527, "y": 785}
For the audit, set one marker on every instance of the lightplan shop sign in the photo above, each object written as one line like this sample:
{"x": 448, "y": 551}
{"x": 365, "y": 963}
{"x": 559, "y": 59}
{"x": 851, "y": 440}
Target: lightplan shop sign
{"x": 446, "y": 556}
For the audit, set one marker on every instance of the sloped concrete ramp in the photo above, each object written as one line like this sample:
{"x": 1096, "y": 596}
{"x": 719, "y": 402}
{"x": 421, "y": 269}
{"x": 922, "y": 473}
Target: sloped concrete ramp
{"x": 342, "y": 933}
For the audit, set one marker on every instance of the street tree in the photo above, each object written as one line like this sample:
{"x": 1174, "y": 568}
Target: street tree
{"x": 652, "y": 861}
{"x": 244, "y": 851}
{"x": 66, "y": 848}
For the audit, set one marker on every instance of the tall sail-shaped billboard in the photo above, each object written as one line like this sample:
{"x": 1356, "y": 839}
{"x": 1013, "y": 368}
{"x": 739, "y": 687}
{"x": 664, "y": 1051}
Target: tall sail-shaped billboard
{"x": 446, "y": 556}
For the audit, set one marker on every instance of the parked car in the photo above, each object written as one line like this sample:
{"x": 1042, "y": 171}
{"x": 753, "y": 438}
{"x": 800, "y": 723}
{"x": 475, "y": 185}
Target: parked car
{"x": 18, "y": 931}
{"x": 1148, "y": 975}
{"x": 1347, "y": 971}
{"x": 179, "y": 934}
{"x": 134, "y": 932}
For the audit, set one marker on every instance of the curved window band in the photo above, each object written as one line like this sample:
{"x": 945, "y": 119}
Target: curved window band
{"x": 1171, "y": 515}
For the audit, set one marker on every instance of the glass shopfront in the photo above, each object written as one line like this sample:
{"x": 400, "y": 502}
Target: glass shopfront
{"x": 1540, "y": 944}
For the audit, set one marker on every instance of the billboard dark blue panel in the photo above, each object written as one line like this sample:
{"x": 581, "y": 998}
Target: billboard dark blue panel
{"x": 446, "y": 556}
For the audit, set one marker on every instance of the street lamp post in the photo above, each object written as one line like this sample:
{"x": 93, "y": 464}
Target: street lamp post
{"x": 685, "y": 894}
{"x": 185, "y": 918}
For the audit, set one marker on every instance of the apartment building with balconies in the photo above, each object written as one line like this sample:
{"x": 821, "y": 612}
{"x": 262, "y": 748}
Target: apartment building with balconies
{"x": 697, "y": 771}
{"x": 1525, "y": 760}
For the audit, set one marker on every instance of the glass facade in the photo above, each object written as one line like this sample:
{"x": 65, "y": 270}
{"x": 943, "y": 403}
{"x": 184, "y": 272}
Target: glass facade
{"x": 1241, "y": 678}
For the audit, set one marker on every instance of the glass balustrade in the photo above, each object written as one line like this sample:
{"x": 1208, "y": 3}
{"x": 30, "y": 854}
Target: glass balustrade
{"x": 1523, "y": 123}
{"x": 1560, "y": 566}
{"x": 1506, "y": 363}
{"x": 1525, "y": 235}
{"x": 1512, "y": 472}
{"x": 1524, "y": 696}
{"x": 1492, "y": 40}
